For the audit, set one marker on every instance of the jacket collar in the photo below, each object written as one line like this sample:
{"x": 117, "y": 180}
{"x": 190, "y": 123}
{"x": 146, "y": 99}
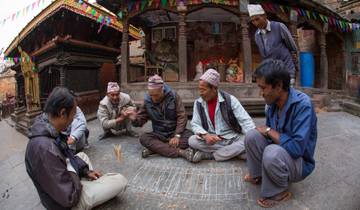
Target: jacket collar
{"x": 292, "y": 99}
{"x": 267, "y": 29}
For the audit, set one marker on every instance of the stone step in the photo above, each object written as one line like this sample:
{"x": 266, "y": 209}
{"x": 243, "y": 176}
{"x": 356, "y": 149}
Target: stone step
{"x": 254, "y": 106}
{"x": 21, "y": 126}
{"x": 351, "y": 107}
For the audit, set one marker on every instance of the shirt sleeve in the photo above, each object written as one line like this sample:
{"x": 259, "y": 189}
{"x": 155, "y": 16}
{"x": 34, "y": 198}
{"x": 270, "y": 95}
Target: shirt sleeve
{"x": 78, "y": 126}
{"x": 103, "y": 116}
{"x": 287, "y": 37}
{"x": 142, "y": 117}
{"x": 196, "y": 125}
{"x": 181, "y": 117}
{"x": 294, "y": 142}
{"x": 241, "y": 115}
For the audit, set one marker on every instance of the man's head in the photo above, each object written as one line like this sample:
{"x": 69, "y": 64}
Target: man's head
{"x": 257, "y": 15}
{"x": 61, "y": 108}
{"x": 113, "y": 92}
{"x": 208, "y": 84}
{"x": 156, "y": 88}
{"x": 273, "y": 78}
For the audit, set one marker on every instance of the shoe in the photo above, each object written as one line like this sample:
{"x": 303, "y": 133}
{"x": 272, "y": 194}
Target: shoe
{"x": 199, "y": 155}
{"x": 187, "y": 154}
{"x": 146, "y": 153}
{"x": 242, "y": 156}
{"x": 132, "y": 134}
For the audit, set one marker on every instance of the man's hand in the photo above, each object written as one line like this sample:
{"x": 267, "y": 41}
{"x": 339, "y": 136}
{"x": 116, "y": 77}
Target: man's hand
{"x": 211, "y": 138}
{"x": 262, "y": 129}
{"x": 120, "y": 118}
{"x": 93, "y": 175}
{"x": 174, "y": 142}
{"x": 70, "y": 140}
{"x": 131, "y": 114}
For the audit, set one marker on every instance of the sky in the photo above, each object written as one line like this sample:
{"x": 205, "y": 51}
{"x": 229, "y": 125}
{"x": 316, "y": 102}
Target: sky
{"x": 12, "y": 28}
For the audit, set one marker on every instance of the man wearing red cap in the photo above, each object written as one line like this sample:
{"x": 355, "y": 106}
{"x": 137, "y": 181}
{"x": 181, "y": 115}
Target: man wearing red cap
{"x": 111, "y": 112}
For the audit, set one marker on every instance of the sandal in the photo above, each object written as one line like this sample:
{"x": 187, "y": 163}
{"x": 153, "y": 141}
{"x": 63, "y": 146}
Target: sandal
{"x": 255, "y": 181}
{"x": 275, "y": 200}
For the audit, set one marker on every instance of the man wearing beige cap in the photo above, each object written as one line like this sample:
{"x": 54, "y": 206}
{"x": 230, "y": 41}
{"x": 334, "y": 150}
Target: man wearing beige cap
{"x": 164, "y": 108}
{"x": 219, "y": 122}
{"x": 111, "y": 112}
{"x": 273, "y": 39}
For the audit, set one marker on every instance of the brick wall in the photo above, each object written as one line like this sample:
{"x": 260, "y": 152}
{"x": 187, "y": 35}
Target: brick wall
{"x": 7, "y": 84}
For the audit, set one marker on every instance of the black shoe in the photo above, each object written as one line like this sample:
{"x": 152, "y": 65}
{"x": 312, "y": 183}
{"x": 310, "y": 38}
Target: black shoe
{"x": 242, "y": 156}
{"x": 132, "y": 134}
{"x": 199, "y": 155}
{"x": 187, "y": 154}
{"x": 146, "y": 153}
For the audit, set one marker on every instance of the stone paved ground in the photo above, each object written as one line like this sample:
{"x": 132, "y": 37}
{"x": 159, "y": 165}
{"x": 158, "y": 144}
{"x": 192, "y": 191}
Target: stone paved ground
{"x": 162, "y": 183}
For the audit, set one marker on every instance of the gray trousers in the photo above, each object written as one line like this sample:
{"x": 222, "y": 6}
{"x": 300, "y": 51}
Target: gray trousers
{"x": 271, "y": 162}
{"x": 119, "y": 128}
{"x": 223, "y": 150}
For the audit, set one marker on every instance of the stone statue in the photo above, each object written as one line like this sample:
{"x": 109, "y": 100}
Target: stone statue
{"x": 199, "y": 71}
{"x": 31, "y": 82}
{"x": 234, "y": 72}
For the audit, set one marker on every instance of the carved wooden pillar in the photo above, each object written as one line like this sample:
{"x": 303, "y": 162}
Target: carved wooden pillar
{"x": 124, "y": 52}
{"x": 343, "y": 73}
{"x": 324, "y": 68}
{"x": 62, "y": 76}
{"x": 293, "y": 31}
{"x": 246, "y": 48}
{"x": 182, "y": 48}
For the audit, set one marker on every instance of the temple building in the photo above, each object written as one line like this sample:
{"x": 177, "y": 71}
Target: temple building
{"x": 70, "y": 43}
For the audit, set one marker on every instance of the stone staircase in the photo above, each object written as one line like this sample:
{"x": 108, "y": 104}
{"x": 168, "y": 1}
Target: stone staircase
{"x": 351, "y": 107}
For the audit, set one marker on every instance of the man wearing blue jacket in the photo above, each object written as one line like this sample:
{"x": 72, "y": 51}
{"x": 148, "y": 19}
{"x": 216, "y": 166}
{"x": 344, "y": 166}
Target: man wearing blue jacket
{"x": 282, "y": 151}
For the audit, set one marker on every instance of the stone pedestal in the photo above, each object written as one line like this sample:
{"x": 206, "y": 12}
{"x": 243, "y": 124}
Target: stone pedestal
{"x": 24, "y": 119}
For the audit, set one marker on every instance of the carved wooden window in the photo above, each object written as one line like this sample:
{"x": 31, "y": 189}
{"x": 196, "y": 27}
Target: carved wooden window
{"x": 216, "y": 28}
{"x": 160, "y": 33}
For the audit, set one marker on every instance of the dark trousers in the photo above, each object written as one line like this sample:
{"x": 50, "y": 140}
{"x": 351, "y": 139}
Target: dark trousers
{"x": 160, "y": 145}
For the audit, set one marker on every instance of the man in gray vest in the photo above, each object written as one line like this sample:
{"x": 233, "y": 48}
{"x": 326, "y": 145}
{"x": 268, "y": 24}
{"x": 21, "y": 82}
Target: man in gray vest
{"x": 273, "y": 39}
{"x": 219, "y": 122}
{"x": 166, "y": 111}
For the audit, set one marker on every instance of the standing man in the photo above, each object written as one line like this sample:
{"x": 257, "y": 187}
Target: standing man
{"x": 164, "y": 108}
{"x": 282, "y": 151}
{"x": 273, "y": 39}
{"x": 219, "y": 122}
{"x": 111, "y": 112}
{"x": 59, "y": 175}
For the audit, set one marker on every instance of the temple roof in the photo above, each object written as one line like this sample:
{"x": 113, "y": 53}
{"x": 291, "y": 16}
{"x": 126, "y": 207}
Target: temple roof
{"x": 77, "y": 8}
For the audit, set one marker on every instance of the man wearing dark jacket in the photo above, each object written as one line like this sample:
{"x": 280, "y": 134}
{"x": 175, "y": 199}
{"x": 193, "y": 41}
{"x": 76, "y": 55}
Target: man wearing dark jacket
{"x": 54, "y": 169}
{"x": 167, "y": 113}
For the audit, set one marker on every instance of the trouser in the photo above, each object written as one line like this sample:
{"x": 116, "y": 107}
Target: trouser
{"x": 126, "y": 125}
{"x": 222, "y": 150}
{"x": 271, "y": 162}
{"x": 160, "y": 145}
{"x": 101, "y": 190}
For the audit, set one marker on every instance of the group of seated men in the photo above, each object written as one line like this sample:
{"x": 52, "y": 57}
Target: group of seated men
{"x": 277, "y": 153}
